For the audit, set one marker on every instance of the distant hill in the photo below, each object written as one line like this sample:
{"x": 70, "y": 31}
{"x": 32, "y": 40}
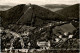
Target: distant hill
{"x": 72, "y": 12}
{"x": 55, "y": 7}
{"x": 39, "y": 14}
{"x": 5, "y": 7}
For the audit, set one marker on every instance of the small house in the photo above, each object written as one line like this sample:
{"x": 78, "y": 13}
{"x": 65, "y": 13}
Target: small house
{"x": 43, "y": 44}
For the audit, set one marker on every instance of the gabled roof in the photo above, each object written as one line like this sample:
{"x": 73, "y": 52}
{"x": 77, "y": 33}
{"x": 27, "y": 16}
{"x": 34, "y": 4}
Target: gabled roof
{"x": 68, "y": 27}
{"x": 64, "y": 28}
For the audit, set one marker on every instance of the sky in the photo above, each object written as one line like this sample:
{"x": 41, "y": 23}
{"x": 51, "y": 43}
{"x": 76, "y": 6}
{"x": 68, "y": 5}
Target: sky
{"x": 38, "y": 2}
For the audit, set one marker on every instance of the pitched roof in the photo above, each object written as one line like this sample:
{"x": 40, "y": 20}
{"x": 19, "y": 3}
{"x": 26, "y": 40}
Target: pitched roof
{"x": 67, "y": 27}
{"x": 64, "y": 28}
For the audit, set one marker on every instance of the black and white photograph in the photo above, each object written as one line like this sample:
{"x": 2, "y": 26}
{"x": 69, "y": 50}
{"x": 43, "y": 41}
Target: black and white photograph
{"x": 48, "y": 26}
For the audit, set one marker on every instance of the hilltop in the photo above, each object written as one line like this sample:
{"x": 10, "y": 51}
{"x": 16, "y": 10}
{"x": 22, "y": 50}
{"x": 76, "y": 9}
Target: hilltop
{"x": 36, "y": 13}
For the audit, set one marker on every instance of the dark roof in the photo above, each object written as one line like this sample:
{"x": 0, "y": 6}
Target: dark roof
{"x": 68, "y": 27}
{"x": 64, "y": 28}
